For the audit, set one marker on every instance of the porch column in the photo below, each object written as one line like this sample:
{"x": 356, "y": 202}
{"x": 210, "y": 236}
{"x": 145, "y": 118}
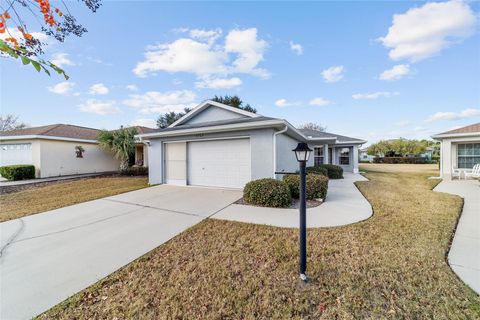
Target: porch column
{"x": 355, "y": 159}
{"x": 325, "y": 153}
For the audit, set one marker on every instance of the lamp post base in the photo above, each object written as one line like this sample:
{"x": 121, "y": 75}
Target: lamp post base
{"x": 303, "y": 277}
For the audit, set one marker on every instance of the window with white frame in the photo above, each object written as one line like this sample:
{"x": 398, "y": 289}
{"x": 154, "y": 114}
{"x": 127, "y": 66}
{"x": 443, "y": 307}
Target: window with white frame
{"x": 468, "y": 155}
{"x": 344, "y": 156}
{"x": 317, "y": 156}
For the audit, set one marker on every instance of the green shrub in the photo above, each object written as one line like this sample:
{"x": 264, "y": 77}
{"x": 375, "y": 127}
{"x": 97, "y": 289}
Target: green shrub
{"x": 316, "y": 185}
{"x": 267, "y": 193}
{"x": 318, "y": 170}
{"x": 18, "y": 172}
{"x": 134, "y": 171}
{"x": 333, "y": 171}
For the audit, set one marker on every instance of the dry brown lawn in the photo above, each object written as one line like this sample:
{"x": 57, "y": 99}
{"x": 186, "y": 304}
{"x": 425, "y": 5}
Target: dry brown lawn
{"x": 391, "y": 266}
{"x": 57, "y": 195}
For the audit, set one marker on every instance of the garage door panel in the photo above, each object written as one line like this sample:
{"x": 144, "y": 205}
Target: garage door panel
{"x": 19, "y": 153}
{"x": 219, "y": 163}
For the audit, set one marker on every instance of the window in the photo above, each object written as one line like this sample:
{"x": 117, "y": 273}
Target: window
{"x": 345, "y": 156}
{"x": 317, "y": 156}
{"x": 468, "y": 154}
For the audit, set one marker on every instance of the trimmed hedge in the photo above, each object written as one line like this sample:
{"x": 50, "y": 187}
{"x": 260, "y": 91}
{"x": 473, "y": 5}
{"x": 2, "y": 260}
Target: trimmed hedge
{"x": 18, "y": 172}
{"x": 316, "y": 185}
{"x": 333, "y": 171}
{"x": 135, "y": 171}
{"x": 395, "y": 160}
{"x": 267, "y": 193}
{"x": 318, "y": 170}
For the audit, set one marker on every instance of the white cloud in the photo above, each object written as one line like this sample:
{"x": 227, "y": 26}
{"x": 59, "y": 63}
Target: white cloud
{"x": 62, "y": 88}
{"x": 219, "y": 83}
{"x": 210, "y": 36}
{"x": 161, "y": 102}
{"x": 204, "y": 56}
{"x": 333, "y": 74}
{"x": 319, "y": 102}
{"x": 15, "y": 33}
{"x": 296, "y": 47}
{"x": 285, "y": 103}
{"x": 99, "y": 107}
{"x": 61, "y": 59}
{"x": 131, "y": 87}
{"x": 396, "y": 72}
{"x": 249, "y": 50}
{"x": 152, "y": 123}
{"x": 464, "y": 114}
{"x": 425, "y": 31}
{"x": 98, "y": 88}
{"x": 374, "y": 95}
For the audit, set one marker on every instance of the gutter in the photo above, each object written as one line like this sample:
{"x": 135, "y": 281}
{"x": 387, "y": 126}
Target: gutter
{"x": 275, "y": 148}
{"x": 31, "y": 137}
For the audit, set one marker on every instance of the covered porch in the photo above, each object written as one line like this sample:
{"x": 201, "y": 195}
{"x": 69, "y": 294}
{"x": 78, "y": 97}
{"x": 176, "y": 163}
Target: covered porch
{"x": 459, "y": 156}
{"x": 343, "y": 155}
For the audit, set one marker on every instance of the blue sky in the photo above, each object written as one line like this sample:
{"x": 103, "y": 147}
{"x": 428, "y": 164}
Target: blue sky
{"x": 347, "y": 65}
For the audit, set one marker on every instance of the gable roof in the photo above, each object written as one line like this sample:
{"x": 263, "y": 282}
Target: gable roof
{"x": 473, "y": 129}
{"x": 207, "y": 103}
{"x": 55, "y": 130}
{"x": 63, "y": 131}
{"x": 310, "y": 133}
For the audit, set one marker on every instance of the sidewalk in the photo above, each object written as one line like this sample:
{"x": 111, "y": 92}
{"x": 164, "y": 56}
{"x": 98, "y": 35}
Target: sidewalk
{"x": 464, "y": 255}
{"x": 344, "y": 205}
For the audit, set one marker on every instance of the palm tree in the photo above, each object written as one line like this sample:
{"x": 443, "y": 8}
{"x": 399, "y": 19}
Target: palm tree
{"x": 120, "y": 142}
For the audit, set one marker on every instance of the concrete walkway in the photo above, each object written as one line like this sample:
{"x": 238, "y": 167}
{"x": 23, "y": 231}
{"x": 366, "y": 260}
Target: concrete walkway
{"x": 50, "y": 256}
{"x": 344, "y": 205}
{"x": 6, "y": 183}
{"x": 464, "y": 255}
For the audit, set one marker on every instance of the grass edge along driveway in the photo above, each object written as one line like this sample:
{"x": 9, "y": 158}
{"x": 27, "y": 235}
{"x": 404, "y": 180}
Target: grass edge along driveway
{"x": 57, "y": 195}
{"x": 391, "y": 266}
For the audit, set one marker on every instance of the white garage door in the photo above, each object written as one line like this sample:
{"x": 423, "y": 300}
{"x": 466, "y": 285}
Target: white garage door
{"x": 219, "y": 163}
{"x": 18, "y": 153}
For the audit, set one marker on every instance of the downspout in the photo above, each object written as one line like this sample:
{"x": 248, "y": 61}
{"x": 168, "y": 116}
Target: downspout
{"x": 275, "y": 148}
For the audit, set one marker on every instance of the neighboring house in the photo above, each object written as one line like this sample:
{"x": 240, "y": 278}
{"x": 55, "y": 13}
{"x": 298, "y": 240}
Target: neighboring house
{"x": 221, "y": 146}
{"x": 459, "y": 149}
{"x": 364, "y": 156}
{"x": 56, "y": 150}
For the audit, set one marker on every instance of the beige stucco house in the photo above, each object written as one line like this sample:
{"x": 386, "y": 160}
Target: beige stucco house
{"x": 460, "y": 150}
{"x": 61, "y": 149}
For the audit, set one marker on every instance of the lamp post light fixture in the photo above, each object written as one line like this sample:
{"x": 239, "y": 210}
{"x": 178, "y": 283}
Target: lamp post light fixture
{"x": 302, "y": 153}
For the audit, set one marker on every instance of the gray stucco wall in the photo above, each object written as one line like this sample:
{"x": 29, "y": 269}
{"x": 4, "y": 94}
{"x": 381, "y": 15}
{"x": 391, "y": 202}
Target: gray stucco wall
{"x": 261, "y": 144}
{"x": 285, "y": 157}
{"x": 214, "y": 114}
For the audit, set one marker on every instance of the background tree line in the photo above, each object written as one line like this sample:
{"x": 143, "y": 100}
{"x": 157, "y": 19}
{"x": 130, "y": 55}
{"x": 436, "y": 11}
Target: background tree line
{"x": 403, "y": 147}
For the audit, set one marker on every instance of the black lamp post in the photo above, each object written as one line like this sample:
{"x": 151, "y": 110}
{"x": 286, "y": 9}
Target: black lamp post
{"x": 302, "y": 152}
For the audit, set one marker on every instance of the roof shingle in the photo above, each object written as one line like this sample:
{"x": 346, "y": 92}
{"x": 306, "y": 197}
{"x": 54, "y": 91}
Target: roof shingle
{"x": 467, "y": 129}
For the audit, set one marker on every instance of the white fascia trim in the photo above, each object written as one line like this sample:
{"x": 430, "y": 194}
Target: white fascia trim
{"x": 218, "y": 128}
{"x": 205, "y": 104}
{"x": 351, "y": 142}
{"x": 456, "y": 135}
{"x": 28, "y": 137}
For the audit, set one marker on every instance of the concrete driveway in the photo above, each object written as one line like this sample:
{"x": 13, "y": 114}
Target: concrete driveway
{"x": 50, "y": 256}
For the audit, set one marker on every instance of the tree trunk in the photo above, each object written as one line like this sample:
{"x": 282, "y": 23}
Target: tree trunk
{"x": 123, "y": 165}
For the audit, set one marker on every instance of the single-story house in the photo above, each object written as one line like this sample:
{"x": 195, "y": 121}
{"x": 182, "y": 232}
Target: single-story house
{"x": 221, "y": 146}
{"x": 459, "y": 149}
{"x": 364, "y": 156}
{"x": 61, "y": 149}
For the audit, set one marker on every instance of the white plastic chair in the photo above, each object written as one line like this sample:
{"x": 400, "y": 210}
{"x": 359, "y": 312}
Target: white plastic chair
{"x": 475, "y": 172}
{"x": 455, "y": 173}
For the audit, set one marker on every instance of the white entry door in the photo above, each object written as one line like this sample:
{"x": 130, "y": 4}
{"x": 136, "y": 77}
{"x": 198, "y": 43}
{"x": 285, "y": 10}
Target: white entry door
{"x": 176, "y": 163}
{"x": 219, "y": 163}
